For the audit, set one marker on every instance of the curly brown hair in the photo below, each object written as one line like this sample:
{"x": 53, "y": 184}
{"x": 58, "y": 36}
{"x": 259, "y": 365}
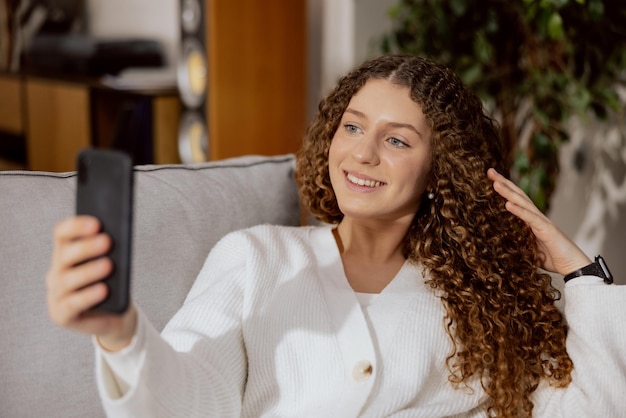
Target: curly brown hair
{"x": 482, "y": 260}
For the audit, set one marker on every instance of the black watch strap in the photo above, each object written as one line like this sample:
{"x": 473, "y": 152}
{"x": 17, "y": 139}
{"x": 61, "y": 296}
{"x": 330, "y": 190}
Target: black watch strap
{"x": 597, "y": 268}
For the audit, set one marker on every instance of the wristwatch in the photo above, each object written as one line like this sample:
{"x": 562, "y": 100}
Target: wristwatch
{"x": 597, "y": 268}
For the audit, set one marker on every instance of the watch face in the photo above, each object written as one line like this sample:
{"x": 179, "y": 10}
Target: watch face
{"x": 608, "y": 277}
{"x": 192, "y": 74}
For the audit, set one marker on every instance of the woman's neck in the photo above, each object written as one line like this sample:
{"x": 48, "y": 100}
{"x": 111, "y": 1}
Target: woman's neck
{"x": 378, "y": 242}
{"x": 371, "y": 254}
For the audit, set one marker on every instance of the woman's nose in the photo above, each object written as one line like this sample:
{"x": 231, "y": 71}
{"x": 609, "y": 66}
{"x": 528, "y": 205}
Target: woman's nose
{"x": 366, "y": 150}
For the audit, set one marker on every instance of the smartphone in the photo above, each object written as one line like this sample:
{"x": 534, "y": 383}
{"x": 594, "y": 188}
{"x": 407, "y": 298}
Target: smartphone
{"x": 104, "y": 189}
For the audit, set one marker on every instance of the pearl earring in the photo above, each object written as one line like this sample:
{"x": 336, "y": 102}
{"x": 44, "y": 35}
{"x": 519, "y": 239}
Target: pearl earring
{"x": 431, "y": 195}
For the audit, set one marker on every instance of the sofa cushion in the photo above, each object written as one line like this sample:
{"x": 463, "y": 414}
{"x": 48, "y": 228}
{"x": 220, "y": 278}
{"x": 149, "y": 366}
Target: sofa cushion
{"x": 180, "y": 212}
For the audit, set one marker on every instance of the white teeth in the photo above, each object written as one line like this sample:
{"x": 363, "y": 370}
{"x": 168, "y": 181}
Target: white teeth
{"x": 362, "y": 182}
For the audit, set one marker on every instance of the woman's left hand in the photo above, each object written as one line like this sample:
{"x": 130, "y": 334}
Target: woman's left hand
{"x": 560, "y": 254}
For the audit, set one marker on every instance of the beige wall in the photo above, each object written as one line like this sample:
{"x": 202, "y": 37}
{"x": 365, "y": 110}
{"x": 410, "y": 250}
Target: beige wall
{"x": 350, "y": 30}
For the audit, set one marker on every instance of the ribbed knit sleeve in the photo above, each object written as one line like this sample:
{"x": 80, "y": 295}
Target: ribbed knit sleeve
{"x": 596, "y": 343}
{"x": 197, "y": 367}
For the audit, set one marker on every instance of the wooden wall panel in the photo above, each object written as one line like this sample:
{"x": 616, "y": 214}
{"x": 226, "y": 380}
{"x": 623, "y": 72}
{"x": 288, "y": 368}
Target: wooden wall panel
{"x": 257, "y": 76}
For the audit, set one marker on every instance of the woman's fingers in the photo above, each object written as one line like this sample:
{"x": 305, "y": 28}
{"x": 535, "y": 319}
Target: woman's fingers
{"x": 77, "y": 263}
{"x": 73, "y": 253}
{"x": 68, "y": 308}
{"x": 76, "y": 268}
{"x": 561, "y": 255}
{"x": 76, "y": 240}
{"x": 74, "y": 283}
{"x": 76, "y": 227}
{"x": 509, "y": 190}
{"x": 77, "y": 257}
{"x": 518, "y": 203}
{"x": 75, "y": 278}
{"x": 76, "y": 290}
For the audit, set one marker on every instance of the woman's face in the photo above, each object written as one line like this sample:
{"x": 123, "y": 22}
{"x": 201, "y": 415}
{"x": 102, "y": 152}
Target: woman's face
{"x": 380, "y": 156}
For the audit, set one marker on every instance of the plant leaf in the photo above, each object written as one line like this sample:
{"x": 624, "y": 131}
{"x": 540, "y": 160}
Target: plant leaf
{"x": 555, "y": 26}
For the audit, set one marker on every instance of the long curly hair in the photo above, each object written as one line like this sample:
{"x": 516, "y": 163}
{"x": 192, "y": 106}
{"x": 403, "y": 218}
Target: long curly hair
{"x": 482, "y": 260}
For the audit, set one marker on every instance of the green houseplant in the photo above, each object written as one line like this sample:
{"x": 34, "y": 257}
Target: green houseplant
{"x": 535, "y": 63}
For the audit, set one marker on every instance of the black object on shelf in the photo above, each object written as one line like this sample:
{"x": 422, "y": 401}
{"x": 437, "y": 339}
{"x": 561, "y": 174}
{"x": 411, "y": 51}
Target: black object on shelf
{"x": 133, "y": 133}
{"x": 85, "y": 55}
{"x": 13, "y": 148}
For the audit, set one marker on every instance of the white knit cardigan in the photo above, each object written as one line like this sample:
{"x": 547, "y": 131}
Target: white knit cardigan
{"x": 272, "y": 328}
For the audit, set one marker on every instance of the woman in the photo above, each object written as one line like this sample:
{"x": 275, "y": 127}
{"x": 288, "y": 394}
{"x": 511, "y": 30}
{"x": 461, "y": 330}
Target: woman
{"x": 419, "y": 296}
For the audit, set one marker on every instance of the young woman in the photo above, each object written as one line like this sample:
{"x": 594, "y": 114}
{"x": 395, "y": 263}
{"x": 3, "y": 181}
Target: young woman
{"x": 420, "y": 294}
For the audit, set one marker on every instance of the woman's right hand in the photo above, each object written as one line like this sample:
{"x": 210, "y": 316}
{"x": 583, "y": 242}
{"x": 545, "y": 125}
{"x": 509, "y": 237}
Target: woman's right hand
{"x": 74, "y": 283}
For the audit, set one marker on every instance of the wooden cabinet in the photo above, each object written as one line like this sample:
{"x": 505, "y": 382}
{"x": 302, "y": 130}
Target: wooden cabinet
{"x": 58, "y": 124}
{"x": 57, "y": 117}
{"x": 11, "y": 119}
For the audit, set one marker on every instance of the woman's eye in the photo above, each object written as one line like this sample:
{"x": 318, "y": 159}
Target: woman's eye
{"x": 396, "y": 142}
{"x": 351, "y": 128}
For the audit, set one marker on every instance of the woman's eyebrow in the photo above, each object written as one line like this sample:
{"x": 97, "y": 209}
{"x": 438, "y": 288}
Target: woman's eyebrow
{"x": 392, "y": 124}
{"x": 405, "y": 125}
{"x": 355, "y": 112}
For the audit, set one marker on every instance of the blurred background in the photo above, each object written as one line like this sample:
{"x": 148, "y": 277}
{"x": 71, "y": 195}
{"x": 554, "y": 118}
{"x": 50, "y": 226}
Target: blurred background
{"x": 173, "y": 81}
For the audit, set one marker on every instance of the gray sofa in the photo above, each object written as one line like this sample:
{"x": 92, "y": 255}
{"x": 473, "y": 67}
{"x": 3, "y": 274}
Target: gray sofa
{"x": 180, "y": 212}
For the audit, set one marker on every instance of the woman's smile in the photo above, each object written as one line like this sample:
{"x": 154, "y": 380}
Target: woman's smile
{"x": 363, "y": 181}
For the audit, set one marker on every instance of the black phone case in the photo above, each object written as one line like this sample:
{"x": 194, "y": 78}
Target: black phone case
{"x": 105, "y": 190}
